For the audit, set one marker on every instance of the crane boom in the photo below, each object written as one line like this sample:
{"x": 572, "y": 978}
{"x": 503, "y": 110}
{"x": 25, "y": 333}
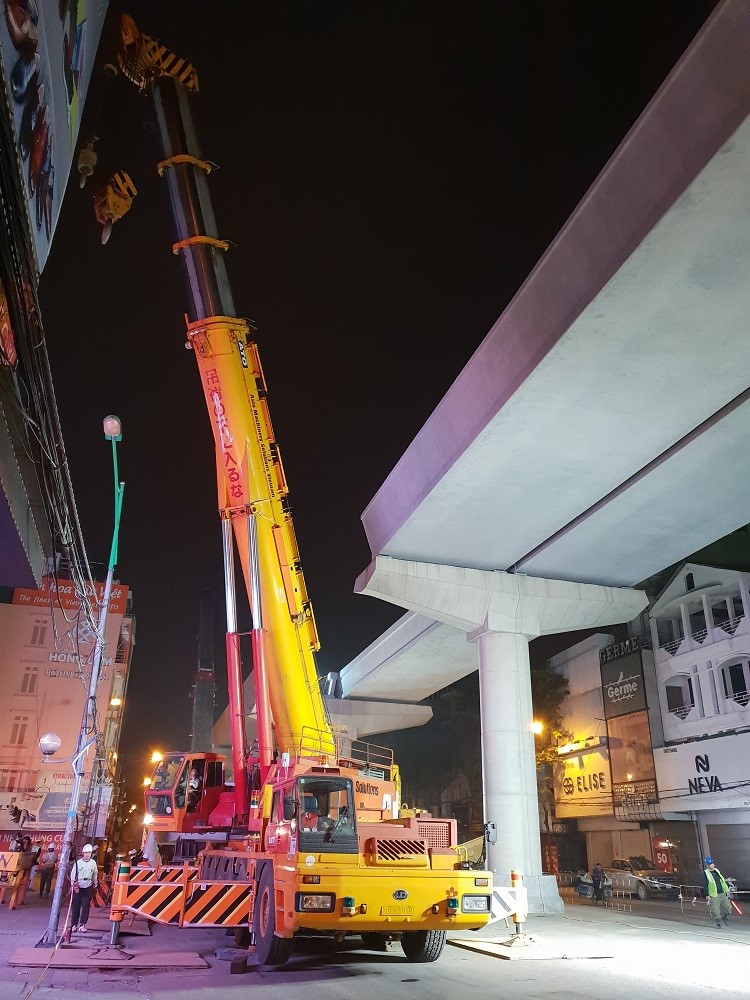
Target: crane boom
{"x": 250, "y": 474}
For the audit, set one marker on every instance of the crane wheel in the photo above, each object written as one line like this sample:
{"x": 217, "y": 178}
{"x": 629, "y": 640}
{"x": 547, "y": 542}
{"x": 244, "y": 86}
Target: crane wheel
{"x": 423, "y": 946}
{"x": 269, "y": 949}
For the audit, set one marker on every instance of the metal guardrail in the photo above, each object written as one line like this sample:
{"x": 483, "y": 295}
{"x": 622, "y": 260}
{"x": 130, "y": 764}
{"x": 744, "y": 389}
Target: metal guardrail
{"x": 613, "y": 898}
{"x": 692, "y": 900}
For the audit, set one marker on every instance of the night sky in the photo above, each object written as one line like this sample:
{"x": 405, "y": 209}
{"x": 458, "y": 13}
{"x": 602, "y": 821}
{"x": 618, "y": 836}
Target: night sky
{"x": 390, "y": 173}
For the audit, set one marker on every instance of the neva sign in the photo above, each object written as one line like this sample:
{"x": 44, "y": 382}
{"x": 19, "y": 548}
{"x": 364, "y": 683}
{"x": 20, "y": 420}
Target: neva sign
{"x": 704, "y": 774}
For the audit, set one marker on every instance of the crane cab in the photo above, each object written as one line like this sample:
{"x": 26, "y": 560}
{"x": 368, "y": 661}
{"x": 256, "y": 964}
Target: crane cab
{"x": 185, "y": 788}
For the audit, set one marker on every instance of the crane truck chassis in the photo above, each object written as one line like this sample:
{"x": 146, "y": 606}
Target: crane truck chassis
{"x": 311, "y": 836}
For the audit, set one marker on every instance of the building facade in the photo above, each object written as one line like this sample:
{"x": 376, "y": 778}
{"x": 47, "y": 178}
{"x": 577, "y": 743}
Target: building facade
{"x": 45, "y": 664}
{"x": 701, "y": 638}
{"x": 656, "y": 761}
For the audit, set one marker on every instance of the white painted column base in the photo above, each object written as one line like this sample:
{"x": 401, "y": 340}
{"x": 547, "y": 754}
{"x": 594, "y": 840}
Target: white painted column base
{"x": 543, "y": 893}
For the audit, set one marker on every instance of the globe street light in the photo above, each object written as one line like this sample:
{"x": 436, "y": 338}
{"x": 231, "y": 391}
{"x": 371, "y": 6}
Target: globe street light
{"x": 113, "y": 433}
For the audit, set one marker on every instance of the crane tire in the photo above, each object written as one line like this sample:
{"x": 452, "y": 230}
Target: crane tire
{"x": 269, "y": 949}
{"x": 423, "y": 946}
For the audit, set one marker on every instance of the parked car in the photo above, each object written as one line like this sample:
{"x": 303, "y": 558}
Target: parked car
{"x": 638, "y": 875}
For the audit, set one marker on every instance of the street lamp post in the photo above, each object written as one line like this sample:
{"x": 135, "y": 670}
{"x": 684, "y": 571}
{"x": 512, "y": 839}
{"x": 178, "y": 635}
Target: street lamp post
{"x": 88, "y": 734}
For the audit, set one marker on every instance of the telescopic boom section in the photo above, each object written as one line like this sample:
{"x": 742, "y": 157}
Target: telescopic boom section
{"x": 250, "y": 474}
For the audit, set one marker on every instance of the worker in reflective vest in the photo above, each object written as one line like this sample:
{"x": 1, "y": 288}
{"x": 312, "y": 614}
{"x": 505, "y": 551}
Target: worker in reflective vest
{"x": 717, "y": 891}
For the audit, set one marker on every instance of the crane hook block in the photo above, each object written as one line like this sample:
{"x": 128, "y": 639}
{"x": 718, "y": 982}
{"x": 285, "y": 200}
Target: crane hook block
{"x": 114, "y": 199}
{"x": 87, "y": 161}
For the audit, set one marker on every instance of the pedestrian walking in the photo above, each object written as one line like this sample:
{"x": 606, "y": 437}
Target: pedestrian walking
{"x": 597, "y": 879}
{"x": 47, "y": 866}
{"x": 83, "y": 878}
{"x": 717, "y": 891}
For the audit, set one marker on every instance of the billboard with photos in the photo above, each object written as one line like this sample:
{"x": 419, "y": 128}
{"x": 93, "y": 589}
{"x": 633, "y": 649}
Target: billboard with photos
{"x": 47, "y": 52}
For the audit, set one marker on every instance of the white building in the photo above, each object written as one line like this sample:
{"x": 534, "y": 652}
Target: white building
{"x": 701, "y": 638}
{"x": 659, "y": 751}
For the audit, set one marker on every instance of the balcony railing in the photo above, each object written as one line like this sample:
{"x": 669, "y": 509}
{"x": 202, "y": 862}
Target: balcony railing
{"x": 682, "y": 711}
{"x": 729, "y": 626}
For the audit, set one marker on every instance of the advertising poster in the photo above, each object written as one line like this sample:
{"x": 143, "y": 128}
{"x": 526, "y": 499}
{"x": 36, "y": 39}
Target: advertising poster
{"x": 630, "y": 754}
{"x": 45, "y": 666}
{"x": 47, "y": 48}
{"x": 623, "y": 689}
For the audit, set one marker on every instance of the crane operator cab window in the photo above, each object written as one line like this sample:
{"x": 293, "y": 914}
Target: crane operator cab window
{"x": 325, "y": 815}
{"x": 166, "y": 772}
{"x": 159, "y": 796}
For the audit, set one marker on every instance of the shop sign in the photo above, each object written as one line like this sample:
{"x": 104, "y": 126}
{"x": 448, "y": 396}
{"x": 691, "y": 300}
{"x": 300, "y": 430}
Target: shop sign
{"x": 582, "y": 784}
{"x": 705, "y": 774}
{"x": 624, "y": 648}
{"x": 623, "y": 690}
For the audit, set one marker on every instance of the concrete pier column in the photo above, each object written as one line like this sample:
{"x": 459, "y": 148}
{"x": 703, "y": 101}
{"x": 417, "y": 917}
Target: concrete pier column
{"x": 499, "y": 613}
{"x": 508, "y": 758}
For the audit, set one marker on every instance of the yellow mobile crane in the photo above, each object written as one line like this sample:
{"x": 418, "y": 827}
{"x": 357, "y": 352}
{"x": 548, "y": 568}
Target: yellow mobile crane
{"x": 311, "y": 834}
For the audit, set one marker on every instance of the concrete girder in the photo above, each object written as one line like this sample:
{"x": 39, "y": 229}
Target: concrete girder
{"x": 502, "y": 602}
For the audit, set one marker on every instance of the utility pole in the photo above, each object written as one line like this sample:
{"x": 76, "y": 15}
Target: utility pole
{"x": 88, "y": 733}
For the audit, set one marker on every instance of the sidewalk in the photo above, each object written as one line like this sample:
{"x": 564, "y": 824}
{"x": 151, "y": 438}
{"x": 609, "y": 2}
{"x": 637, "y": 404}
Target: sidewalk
{"x": 171, "y": 955}
{"x": 638, "y": 947}
{"x": 683, "y": 950}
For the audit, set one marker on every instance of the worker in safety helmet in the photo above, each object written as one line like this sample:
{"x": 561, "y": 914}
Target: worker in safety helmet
{"x": 717, "y": 891}
{"x": 83, "y": 878}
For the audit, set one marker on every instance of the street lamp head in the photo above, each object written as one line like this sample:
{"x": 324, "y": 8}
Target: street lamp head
{"x": 112, "y": 428}
{"x": 49, "y": 744}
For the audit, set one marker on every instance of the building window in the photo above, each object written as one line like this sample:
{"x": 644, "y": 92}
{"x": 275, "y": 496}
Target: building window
{"x": 39, "y": 632}
{"x": 680, "y": 697}
{"x": 735, "y": 679}
{"x": 8, "y": 780}
{"x": 689, "y": 581}
{"x": 18, "y": 732}
{"x": 28, "y": 682}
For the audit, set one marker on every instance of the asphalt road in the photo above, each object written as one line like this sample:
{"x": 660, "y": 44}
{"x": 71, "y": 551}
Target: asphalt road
{"x": 588, "y": 953}
{"x": 460, "y": 974}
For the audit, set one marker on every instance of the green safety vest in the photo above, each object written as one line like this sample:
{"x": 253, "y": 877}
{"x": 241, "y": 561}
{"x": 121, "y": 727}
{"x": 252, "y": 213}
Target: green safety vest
{"x": 711, "y": 882}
